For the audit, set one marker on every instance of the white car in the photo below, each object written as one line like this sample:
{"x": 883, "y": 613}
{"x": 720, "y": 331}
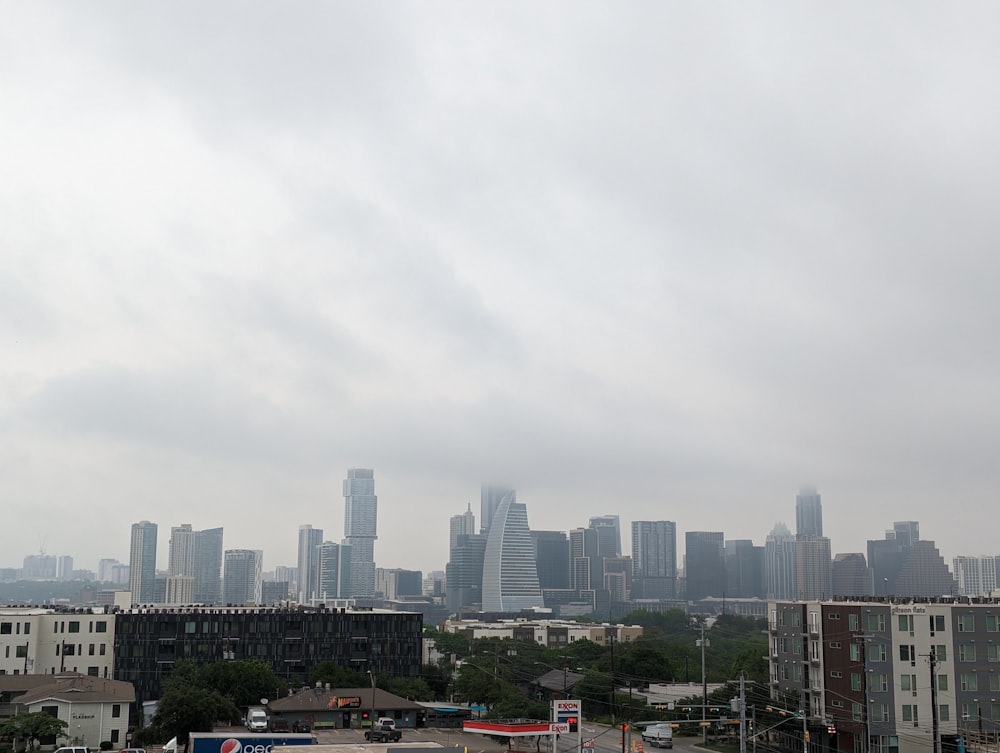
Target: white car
{"x": 659, "y": 735}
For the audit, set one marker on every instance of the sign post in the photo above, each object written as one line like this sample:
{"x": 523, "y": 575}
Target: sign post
{"x": 568, "y": 712}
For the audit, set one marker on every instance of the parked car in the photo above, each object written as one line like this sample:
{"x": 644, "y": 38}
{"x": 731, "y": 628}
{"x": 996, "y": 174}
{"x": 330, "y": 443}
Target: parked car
{"x": 277, "y": 724}
{"x": 301, "y": 725}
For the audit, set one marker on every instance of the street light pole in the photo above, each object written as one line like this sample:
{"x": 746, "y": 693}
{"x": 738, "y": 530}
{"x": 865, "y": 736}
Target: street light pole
{"x": 371, "y": 719}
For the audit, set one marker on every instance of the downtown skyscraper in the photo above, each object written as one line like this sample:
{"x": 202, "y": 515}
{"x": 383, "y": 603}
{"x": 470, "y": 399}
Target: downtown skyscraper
{"x": 654, "y": 559}
{"x": 142, "y": 562}
{"x": 360, "y": 529}
{"x": 308, "y": 558}
{"x": 510, "y": 574}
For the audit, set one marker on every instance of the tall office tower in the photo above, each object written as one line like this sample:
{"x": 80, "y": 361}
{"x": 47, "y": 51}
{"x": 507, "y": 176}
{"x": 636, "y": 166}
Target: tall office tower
{"x": 208, "y": 566}
{"x": 286, "y": 574}
{"x": 976, "y": 576}
{"x": 849, "y": 574}
{"x": 779, "y": 563}
{"x": 744, "y": 569}
{"x": 309, "y": 540}
{"x": 120, "y": 574}
{"x": 618, "y": 578}
{"x": 903, "y": 564}
{"x": 551, "y": 558}
{"x": 904, "y": 532}
{"x": 654, "y": 559}
{"x": 464, "y": 573}
{"x": 461, "y": 525}
{"x": 333, "y": 571}
{"x": 609, "y": 534}
{"x": 360, "y": 525}
{"x": 142, "y": 563}
{"x": 813, "y": 568}
{"x": 180, "y": 555}
{"x": 586, "y": 569}
{"x": 704, "y": 564}
{"x": 241, "y": 577}
{"x": 395, "y": 583}
{"x": 491, "y": 495}
{"x": 808, "y": 513}
{"x": 510, "y": 575}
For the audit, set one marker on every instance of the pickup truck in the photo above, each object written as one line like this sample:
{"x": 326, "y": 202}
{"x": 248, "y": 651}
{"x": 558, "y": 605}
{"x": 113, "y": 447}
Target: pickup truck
{"x": 383, "y": 732}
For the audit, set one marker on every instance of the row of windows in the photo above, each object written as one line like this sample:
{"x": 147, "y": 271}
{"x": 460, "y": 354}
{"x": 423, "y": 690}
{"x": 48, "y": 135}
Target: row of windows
{"x": 58, "y": 626}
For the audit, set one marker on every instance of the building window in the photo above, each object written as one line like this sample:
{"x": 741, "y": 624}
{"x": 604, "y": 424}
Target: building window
{"x": 833, "y": 615}
{"x": 852, "y": 622}
{"x": 994, "y": 682}
{"x": 937, "y": 623}
{"x": 880, "y": 683}
{"x": 876, "y": 623}
{"x": 837, "y": 704}
{"x": 836, "y": 673}
{"x": 90, "y": 652}
{"x": 908, "y": 652}
{"x": 966, "y": 651}
{"x": 104, "y": 649}
{"x": 910, "y": 713}
{"x": 855, "y": 652}
{"x": 116, "y": 710}
{"x": 941, "y": 652}
{"x": 6, "y": 628}
{"x": 101, "y": 627}
{"x": 880, "y": 712}
{"x": 968, "y": 681}
{"x": 114, "y": 735}
{"x": 834, "y": 644}
{"x": 906, "y": 623}
{"x": 190, "y": 627}
{"x": 942, "y": 683}
{"x": 908, "y": 683}
{"x": 944, "y": 713}
{"x": 855, "y": 681}
{"x": 856, "y": 712}
{"x": 21, "y": 652}
{"x": 970, "y": 711}
{"x": 74, "y": 626}
{"x": 966, "y": 623}
{"x": 876, "y": 652}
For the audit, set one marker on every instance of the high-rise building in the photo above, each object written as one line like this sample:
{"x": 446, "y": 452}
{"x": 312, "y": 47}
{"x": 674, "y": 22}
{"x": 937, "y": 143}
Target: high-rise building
{"x": 241, "y": 578}
{"x": 142, "y": 562}
{"x": 461, "y": 525}
{"x": 551, "y": 558}
{"x": 704, "y": 564}
{"x": 180, "y": 555}
{"x": 744, "y": 569}
{"x": 779, "y": 563}
{"x": 360, "y": 527}
{"x": 309, "y": 540}
{"x": 808, "y": 513}
{"x": 510, "y": 575}
{"x": 491, "y": 495}
{"x": 179, "y": 589}
{"x": 903, "y": 564}
{"x": 39, "y": 567}
{"x": 197, "y": 554}
{"x": 654, "y": 559}
{"x": 976, "y": 576}
{"x": 333, "y": 571}
{"x": 397, "y": 583}
{"x": 609, "y": 534}
{"x": 64, "y": 567}
{"x": 105, "y": 569}
{"x": 813, "y": 563}
{"x": 585, "y": 566}
{"x": 464, "y": 573}
{"x": 850, "y": 575}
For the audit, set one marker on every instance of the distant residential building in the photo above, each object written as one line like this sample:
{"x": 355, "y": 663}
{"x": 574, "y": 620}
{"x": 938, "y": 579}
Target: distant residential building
{"x": 464, "y": 573}
{"x": 274, "y": 592}
{"x": 609, "y": 534}
{"x": 208, "y": 566}
{"x": 38, "y": 640}
{"x": 180, "y": 589}
{"x": 309, "y": 541}
{"x": 64, "y": 567}
{"x": 105, "y": 570}
{"x": 976, "y": 576}
{"x": 333, "y": 572}
{"x": 361, "y": 529}
{"x": 142, "y": 563}
{"x": 813, "y": 567}
{"x": 396, "y": 583}
{"x": 241, "y": 579}
{"x": 510, "y": 575}
{"x": 39, "y": 567}
{"x": 434, "y": 584}
{"x": 654, "y": 559}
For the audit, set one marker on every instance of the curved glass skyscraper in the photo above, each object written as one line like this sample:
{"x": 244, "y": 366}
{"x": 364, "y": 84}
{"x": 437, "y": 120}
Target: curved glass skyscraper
{"x": 510, "y": 575}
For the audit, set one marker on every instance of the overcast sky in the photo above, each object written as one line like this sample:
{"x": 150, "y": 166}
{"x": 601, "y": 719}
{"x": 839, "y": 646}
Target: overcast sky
{"x": 665, "y": 260}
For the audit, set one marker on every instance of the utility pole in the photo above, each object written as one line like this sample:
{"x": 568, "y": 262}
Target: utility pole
{"x": 935, "y": 731}
{"x": 743, "y": 715}
{"x": 704, "y": 688}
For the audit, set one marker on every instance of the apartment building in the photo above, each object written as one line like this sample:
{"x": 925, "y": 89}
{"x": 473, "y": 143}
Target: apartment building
{"x": 45, "y": 641}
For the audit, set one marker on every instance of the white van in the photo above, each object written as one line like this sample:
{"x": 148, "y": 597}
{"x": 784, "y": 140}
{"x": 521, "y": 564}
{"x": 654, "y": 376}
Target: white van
{"x": 256, "y": 719}
{"x": 659, "y": 735}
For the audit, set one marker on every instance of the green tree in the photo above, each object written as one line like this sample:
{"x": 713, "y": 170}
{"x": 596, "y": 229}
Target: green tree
{"x": 184, "y": 708}
{"x": 338, "y": 676}
{"x": 438, "y": 679}
{"x": 450, "y": 643}
{"x": 242, "y": 682}
{"x": 412, "y": 688}
{"x": 37, "y": 724}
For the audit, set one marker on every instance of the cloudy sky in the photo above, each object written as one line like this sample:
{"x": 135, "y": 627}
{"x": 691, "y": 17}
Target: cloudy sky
{"x": 665, "y": 260}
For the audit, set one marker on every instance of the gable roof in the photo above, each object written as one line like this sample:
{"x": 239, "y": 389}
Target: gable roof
{"x": 79, "y": 689}
{"x": 322, "y": 699}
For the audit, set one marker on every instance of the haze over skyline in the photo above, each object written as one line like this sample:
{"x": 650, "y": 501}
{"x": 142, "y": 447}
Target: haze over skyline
{"x": 665, "y": 261}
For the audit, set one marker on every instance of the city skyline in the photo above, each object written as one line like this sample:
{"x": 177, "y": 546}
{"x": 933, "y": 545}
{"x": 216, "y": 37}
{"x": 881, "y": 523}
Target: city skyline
{"x": 666, "y": 261}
